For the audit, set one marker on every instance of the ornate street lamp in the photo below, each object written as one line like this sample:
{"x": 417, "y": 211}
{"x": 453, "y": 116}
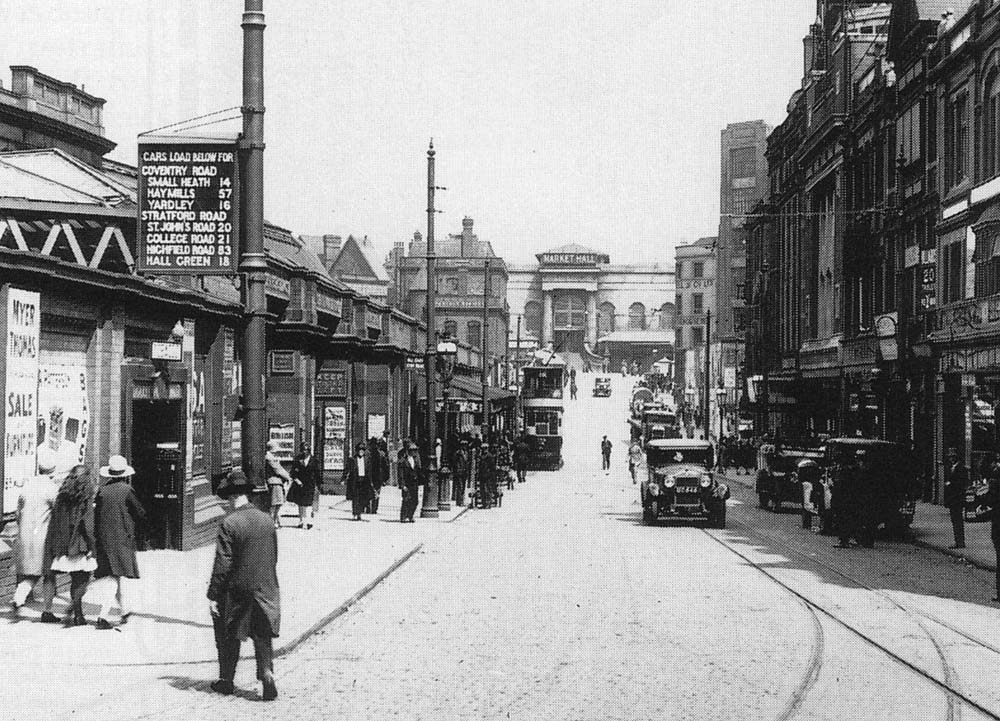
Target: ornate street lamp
{"x": 447, "y": 350}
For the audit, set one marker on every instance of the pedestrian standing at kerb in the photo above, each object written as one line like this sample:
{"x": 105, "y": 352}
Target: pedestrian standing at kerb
{"x": 634, "y": 457}
{"x": 243, "y": 594}
{"x": 277, "y": 478}
{"x": 34, "y": 511}
{"x": 117, "y": 514}
{"x": 357, "y": 480}
{"x": 305, "y": 485}
{"x": 956, "y": 479}
{"x": 606, "y": 455}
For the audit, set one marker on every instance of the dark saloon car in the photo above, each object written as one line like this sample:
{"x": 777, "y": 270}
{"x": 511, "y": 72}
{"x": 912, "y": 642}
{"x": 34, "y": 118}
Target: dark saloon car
{"x": 778, "y": 477}
{"x": 680, "y": 482}
{"x": 602, "y": 387}
{"x": 880, "y": 478}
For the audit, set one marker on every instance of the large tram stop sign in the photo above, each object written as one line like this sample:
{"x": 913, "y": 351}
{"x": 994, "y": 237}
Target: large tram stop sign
{"x": 187, "y": 206}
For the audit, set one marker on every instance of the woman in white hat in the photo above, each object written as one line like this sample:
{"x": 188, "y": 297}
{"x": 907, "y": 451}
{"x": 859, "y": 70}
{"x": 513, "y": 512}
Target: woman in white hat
{"x": 118, "y": 512}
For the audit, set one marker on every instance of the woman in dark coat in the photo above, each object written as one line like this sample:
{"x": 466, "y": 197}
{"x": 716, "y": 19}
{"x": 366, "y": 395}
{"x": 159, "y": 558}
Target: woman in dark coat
{"x": 69, "y": 544}
{"x": 118, "y": 511}
{"x": 358, "y": 472}
{"x": 305, "y": 485}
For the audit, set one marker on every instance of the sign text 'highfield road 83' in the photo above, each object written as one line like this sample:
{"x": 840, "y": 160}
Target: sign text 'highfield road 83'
{"x": 187, "y": 208}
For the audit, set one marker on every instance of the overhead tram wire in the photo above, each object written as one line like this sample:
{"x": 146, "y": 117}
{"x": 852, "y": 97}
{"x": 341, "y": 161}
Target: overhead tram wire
{"x": 191, "y": 120}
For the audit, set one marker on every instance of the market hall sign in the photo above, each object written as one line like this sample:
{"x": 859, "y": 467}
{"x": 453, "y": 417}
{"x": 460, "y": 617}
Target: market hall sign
{"x": 187, "y": 208}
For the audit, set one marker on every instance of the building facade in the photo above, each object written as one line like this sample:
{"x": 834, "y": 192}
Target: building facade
{"x": 592, "y": 311}
{"x": 470, "y": 276}
{"x": 695, "y": 265}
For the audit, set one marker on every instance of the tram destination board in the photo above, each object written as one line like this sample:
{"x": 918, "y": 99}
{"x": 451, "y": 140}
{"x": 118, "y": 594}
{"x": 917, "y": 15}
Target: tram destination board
{"x": 187, "y": 208}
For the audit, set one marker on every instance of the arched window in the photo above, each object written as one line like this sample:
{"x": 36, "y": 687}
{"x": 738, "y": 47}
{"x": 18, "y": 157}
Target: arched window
{"x": 533, "y": 317}
{"x": 637, "y": 317}
{"x": 475, "y": 331}
{"x": 450, "y": 329}
{"x": 569, "y": 313}
{"x": 991, "y": 126}
{"x": 666, "y": 316}
{"x": 605, "y": 319}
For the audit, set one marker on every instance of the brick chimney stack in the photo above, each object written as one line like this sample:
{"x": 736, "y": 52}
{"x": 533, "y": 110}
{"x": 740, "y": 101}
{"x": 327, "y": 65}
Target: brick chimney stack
{"x": 467, "y": 236}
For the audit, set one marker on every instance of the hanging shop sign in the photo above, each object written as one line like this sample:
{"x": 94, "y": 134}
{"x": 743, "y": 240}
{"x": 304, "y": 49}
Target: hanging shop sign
{"x": 21, "y": 331}
{"x": 187, "y": 207}
{"x": 334, "y": 437}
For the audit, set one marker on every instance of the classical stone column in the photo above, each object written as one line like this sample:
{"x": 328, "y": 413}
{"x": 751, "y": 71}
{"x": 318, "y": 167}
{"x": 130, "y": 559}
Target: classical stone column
{"x": 592, "y": 320}
{"x": 546, "y": 317}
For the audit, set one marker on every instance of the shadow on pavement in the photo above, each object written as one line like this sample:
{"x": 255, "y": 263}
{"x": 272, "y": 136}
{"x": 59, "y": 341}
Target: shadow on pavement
{"x": 185, "y": 683}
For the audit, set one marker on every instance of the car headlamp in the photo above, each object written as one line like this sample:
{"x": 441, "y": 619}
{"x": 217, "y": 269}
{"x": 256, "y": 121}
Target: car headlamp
{"x": 706, "y": 481}
{"x": 669, "y": 482}
{"x": 654, "y": 490}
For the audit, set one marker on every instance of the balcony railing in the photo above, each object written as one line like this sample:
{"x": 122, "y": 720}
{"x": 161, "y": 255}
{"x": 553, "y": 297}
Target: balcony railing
{"x": 968, "y": 316}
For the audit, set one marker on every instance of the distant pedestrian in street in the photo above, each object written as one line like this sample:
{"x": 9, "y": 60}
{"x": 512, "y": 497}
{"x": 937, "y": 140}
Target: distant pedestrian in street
{"x": 808, "y": 475}
{"x": 846, "y": 500}
{"x": 503, "y": 457}
{"x": 521, "y": 451}
{"x": 408, "y": 472}
{"x": 277, "y": 479}
{"x": 490, "y": 493}
{"x": 357, "y": 480}
{"x": 118, "y": 512}
{"x": 606, "y": 454}
{"x": 572, "y": 389}
{"x": 381, "y": 454}
{"x": 70, "y": 546}
{"x": 624, "y": 368}
{"x": 956, "y": 479}
{"x": 460, "y": 473}
{"x": 305, "y": 484}
{"x": 34, "y": 512}
{"x": 635, "y": 457}
{"x": 243, "y": 594}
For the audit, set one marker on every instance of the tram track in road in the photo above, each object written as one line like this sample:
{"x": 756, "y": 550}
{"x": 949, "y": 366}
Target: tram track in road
{"x": 948, "y": 684}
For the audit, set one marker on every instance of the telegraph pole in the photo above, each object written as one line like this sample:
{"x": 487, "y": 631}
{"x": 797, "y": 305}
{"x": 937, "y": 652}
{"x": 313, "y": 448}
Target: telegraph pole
{"x": 429, "y": 509}
{"x": 517, "y": 378}
{"x": 484, "y": 431}
{"x": 706, "y": 418}
{"x": 253, "y": 263}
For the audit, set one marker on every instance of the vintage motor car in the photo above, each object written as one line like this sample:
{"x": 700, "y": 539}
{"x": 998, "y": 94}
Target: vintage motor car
{"x": 777, "y": 475}
{"x": 891, "y": 482}
{"x": 680, "y": 482}
{"x": 602, "y": 388}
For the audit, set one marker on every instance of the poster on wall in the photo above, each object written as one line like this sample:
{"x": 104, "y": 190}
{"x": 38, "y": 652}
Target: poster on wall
{"x": 376, "y": 425}
{"x": 284, "y": 437}
{"x": 334, "y": 437}
{"x": 21, "y": 331}
{"x": 63, "y": 416}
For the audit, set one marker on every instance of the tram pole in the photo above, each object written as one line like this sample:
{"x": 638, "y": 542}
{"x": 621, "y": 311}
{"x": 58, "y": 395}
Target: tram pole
{"x": 429, "y": 508}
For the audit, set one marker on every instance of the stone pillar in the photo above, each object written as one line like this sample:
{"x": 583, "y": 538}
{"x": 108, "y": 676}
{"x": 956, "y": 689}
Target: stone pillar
{"x": 546, "y": 317}
{"x": 592, "y": 320}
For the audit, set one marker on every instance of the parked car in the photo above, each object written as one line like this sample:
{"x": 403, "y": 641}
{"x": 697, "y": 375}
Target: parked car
{"x": 892, "y": 485}
{"x": 680, "y": 482}
{"x": 778, "y": 478}
{"x": 602, "y": 387}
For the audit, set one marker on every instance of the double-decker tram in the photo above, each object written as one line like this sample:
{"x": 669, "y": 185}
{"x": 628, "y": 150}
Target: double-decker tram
{"x": 542, "y": 401}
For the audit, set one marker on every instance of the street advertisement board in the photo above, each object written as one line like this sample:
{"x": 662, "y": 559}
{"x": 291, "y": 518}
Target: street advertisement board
{"x": 334, "y": 437}
{"x": 284, "y": 438}
{"x": 187, "y": 208}
{"x": 63, "y": 416}
{"x": 21, "y": 331}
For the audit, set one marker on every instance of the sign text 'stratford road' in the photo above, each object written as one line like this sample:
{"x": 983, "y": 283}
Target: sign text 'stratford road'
{"x": 187, "y": 208}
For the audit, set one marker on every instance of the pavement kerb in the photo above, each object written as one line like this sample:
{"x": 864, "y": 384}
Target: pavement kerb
{"x": 342, "y": 608}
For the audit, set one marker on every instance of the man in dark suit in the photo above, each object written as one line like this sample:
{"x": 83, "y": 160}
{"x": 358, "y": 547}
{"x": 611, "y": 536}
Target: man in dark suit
{"x": 358, "y": 474}
{"x": 243, "y": 592}
{"x": 408, "y": 467}
{"x": 956, "y": 479}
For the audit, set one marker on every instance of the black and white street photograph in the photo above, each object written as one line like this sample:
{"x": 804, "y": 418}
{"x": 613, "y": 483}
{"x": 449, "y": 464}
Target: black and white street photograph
{"x": 566, "y": 360}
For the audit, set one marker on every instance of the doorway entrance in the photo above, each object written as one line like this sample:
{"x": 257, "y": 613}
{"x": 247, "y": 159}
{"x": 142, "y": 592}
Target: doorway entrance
{"x": 157, "y": 456}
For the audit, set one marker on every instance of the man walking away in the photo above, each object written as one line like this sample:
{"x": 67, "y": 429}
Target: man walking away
{"x": 243, "y": 593}
{"x": 521, "y": 451}
{"x": 117, "y": 513}
{"x": 461, "y": 473}
{"x": 956, "y": 479}
{"x": 606, "y": 454}
{"x": 34, "y": 511}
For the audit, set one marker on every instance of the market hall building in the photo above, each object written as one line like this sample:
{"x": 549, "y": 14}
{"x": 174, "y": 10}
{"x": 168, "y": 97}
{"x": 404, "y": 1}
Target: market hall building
{"x": 593, "y": 312}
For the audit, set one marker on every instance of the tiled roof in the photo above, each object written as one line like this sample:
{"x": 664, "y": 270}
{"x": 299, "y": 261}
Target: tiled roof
{"x": 52, "y": 176}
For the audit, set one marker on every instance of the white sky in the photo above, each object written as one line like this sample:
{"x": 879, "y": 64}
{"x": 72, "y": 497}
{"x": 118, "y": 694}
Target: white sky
{"x": 555, "y": 121}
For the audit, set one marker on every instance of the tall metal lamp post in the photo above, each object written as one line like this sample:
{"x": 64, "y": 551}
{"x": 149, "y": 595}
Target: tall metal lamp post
{"x": 447, "y": 349}
{"x": 429, "y": 507}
